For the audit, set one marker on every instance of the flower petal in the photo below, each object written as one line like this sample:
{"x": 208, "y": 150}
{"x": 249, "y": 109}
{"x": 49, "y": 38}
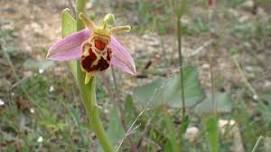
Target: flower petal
{"x": 121, "y": 57}
{"x": 68, "y": 48}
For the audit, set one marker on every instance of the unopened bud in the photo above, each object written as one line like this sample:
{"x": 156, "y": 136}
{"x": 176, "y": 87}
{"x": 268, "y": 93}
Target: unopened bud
{"x": 109, "y": 19}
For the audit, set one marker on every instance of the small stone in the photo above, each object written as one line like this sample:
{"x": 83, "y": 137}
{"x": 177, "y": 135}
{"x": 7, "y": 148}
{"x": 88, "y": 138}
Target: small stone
{"x": 41, "y": 71}
{"x": 206, "y": 66}
{"x": 224, "y": 124}
{"x": 89, "y": 5}
{"x": 244, "y": 19}
{"x": 267, "y": 143}
{"x": 248, "y": 4}
{"x": 51, "y": 89}
{"x": 40, "y": 139}
{"x": 255, "y": 97}
{"x": 32, "y": 110}
{"x": 2, "y": 103}
{"x": 28, "y": 73}
{"x": 191, "y": 134}
{"x": 106, "y": 111}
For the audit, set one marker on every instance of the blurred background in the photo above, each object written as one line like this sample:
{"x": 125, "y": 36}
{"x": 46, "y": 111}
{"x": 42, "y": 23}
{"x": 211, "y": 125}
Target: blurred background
{"x": 227, "y": 78}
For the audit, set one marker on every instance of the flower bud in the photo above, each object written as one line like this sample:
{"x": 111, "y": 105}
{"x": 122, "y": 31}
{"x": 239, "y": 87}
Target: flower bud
{"x": 109, "y": 19}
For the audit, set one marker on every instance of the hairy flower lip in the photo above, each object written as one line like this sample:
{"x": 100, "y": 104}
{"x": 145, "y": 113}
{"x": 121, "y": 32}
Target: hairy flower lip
{"x": 69, "y": 48}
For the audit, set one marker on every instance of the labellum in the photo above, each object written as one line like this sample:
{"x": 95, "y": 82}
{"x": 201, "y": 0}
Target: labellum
{"x": 96, "y": 55}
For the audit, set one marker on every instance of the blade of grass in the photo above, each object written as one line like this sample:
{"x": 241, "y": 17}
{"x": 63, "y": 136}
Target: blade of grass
{"x": 212, "y": 132}
{"x": 257, "y": 144}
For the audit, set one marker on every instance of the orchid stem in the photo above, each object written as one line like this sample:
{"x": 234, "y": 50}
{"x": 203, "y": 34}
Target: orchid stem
{"x": 179, "y": 36}
{"x": 88, "y": 93}
{"x": 179, "y": 7}
{"x": 211, "y": 59}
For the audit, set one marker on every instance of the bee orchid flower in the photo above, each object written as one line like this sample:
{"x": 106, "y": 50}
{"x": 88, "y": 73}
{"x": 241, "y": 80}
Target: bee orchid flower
{"x": 95, "y": 47}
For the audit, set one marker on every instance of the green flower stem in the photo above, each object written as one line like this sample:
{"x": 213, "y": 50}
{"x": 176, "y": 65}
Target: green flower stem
{"x": 179, "y": 13}
{"x": 88, "y": 93}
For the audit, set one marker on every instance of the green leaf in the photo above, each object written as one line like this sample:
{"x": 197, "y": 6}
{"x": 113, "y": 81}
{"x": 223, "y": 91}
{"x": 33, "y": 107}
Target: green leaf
{"x": 115, "y": 131}
{"x": 172, "y": 143}
{"x": 146, "y": 93}
{"x": 184, "y": 125}
{"x": 266, "y": 96}
{"x": 212, "y": 132}
{"x": 168, "y": 91}
{"x": 68, "y": 27}
{"x": 223, "y": 104}
{"x": 68, "y": 23}
{"x": 130, "y": 109}
{"x": 264, "y": 107}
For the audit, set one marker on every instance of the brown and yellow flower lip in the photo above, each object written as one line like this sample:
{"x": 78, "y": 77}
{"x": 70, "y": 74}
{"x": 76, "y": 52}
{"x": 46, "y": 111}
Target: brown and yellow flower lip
{"x": 96, "y": 55}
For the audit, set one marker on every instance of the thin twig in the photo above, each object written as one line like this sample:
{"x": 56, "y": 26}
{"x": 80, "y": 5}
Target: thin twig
{"x": 139, "y": 115}
{"x": 116, "y": 94}
{"x": 19, "y": 82}
{"x": 212, "y": 82}
{"x": 145, "y": 131}
{"x": 242, "y": 73}
{"x": 130, "y": 130}
{"x": 164, "y": 50}
{"x": 210, "y": 17}
{"x": 257, "y": 143}
{"x": 201, "y": 48}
